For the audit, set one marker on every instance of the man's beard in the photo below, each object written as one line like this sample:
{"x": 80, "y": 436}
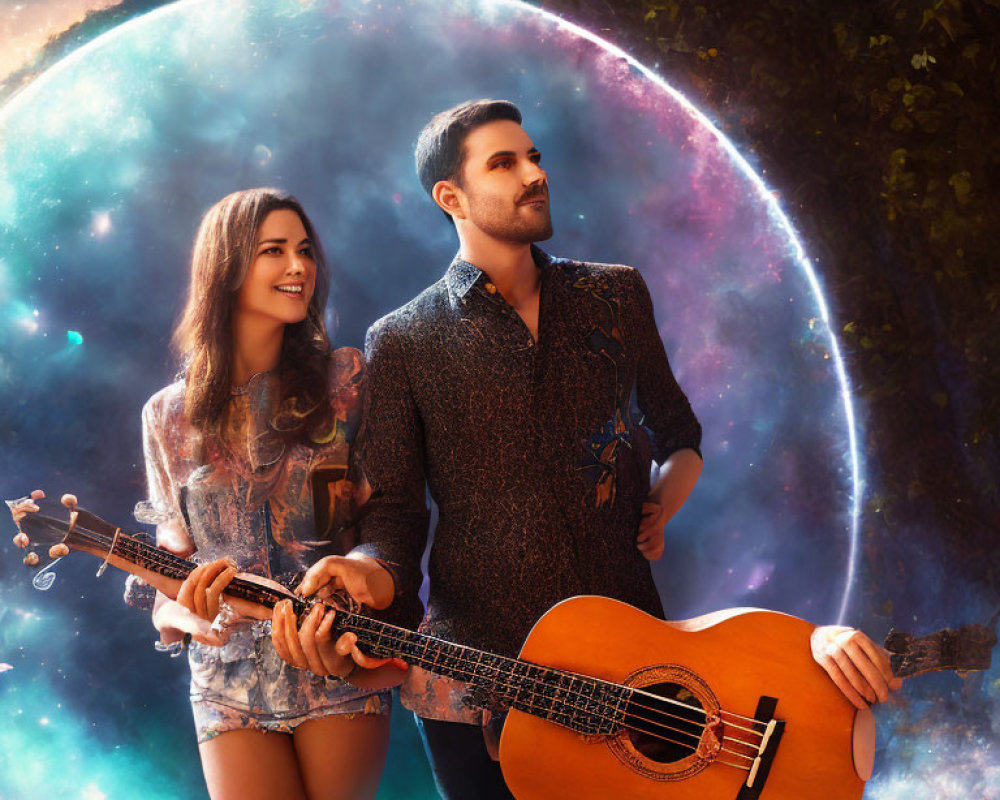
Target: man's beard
{"x": 492, "y": 219}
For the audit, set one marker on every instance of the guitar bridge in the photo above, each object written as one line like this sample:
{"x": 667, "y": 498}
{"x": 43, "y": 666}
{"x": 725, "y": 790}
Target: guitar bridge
{"x": 766, "y": 750}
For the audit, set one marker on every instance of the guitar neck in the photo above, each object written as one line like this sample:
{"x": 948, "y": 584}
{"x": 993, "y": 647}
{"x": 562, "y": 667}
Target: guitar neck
{"x": 495, "y": 681}
{"x": 586, "y": 705}
{"x": 147, "y": 557}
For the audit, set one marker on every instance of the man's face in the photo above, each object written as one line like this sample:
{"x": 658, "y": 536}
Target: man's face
{"x": 505, "y": 191}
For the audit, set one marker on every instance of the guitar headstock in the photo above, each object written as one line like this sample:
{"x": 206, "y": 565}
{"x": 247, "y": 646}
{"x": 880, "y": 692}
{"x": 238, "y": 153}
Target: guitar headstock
{"x": 50, "y": 529}
{"x": 964, "y": 649}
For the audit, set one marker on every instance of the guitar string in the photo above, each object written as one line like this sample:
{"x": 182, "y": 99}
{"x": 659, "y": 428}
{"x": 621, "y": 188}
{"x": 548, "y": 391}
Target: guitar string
{"x": 387, "y": 631}
{"x": 455, "y": 663}
{"x": 635, "y": 691}
{"x": 722, "y": 711}
{"x": 517, "y": 696}
{"x": 265, "y": 594}
{"x": 165, "y": 559}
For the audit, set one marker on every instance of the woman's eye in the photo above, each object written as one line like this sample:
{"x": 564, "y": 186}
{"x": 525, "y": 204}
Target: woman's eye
{"x": 306, "y": 251}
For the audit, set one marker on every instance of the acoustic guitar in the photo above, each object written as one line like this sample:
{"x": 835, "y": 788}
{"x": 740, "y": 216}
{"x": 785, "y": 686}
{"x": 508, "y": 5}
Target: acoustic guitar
{"x": 604, "y": 700}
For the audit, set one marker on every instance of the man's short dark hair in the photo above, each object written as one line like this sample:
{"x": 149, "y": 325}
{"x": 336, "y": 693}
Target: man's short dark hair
{"x": 440, "y": 151}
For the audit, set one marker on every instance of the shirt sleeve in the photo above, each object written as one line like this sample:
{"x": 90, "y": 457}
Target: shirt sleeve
{"x": 160, "y": 496}
{"x": 161, "y": 504}
{"x": 666, "y": 411}
{"x": 163, "y": 438}
{"x": 390, "y": 450}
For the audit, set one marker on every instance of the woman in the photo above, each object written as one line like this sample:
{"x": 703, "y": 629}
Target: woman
{"x": 246, "y": 459}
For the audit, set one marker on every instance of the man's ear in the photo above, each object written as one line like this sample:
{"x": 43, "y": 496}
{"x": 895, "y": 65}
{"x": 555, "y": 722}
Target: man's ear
{"x": 449, "y": 197}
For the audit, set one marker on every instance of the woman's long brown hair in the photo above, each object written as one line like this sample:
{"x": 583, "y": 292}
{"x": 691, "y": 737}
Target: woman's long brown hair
{"x": 223, "y": 252}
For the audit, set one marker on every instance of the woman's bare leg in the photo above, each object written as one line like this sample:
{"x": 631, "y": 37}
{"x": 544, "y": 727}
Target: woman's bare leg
{"x": 251, "y": 764}
{"x": 341, "y": 757}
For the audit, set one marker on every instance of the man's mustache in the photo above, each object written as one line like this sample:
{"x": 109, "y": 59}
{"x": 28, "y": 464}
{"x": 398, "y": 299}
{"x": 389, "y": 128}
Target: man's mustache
{"x": 539, "y": 191}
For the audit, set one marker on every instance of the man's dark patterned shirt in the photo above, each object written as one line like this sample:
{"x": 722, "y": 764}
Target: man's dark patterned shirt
{"x": 537, "y": 454}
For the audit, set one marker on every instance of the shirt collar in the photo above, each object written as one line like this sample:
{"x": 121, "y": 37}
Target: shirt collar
{"x": 462, "y": 276}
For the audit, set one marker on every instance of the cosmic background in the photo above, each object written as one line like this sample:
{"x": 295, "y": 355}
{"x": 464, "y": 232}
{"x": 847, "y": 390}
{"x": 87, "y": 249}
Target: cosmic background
{"x": 873, "y": 126}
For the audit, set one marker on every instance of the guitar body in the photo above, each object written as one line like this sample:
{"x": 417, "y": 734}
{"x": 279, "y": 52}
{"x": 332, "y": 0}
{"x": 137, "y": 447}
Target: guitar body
{"x": 730, "y": 660}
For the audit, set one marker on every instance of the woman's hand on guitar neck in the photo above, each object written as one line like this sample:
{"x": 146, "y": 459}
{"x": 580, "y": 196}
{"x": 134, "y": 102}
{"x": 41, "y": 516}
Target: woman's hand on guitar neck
{"x": 858, "y": 666}
{"x": 197, "y": 607}
{"x": 312, "y": 647}
{"x": 201, "y": 592}
{"x": 174, "y": 622}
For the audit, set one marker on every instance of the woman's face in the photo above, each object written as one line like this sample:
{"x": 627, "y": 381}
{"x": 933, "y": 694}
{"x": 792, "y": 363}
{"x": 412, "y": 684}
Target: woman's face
{"x": 279, "y": 284}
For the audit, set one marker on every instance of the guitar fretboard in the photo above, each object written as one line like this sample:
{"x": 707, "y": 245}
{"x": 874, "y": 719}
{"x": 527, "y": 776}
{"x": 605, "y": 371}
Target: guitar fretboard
{"x": 583, "y": 704}
{"x": 586, "y": 705}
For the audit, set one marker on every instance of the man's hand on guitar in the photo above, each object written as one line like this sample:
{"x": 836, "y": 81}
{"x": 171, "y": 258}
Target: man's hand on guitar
{"x": 364, "y": 579}
{"x": 858, "y": 666}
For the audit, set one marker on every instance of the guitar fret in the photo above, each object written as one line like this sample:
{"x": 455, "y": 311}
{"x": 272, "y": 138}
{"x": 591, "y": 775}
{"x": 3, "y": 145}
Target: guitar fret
{"x": 409, "y": 647}
{"x": 521, "y": 669}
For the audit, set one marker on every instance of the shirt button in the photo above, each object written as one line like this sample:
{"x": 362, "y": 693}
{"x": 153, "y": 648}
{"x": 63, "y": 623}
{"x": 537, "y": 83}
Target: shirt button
{"x": 491, "y": 288}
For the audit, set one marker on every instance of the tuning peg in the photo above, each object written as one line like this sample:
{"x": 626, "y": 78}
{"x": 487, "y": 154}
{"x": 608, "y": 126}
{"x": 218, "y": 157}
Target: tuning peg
{"x": 21, "y": 540}
{"x": 58, "y": 551}
{"x": 31, "y": 559}
{"x": 68, "y": 500}
{"x": 20, "y": 507}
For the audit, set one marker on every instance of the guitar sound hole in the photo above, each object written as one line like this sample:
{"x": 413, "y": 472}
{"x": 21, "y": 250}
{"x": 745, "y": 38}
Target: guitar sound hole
{"x": 665, "y": 730}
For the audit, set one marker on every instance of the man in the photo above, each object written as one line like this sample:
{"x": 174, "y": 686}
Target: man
{"x": 530, "y": 395}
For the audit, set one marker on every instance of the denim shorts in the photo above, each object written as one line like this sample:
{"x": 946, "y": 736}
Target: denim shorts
{"x": 245, "y": 685}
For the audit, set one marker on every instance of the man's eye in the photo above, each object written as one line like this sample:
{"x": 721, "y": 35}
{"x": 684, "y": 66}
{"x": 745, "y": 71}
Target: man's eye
{"x": 504, "y": 163}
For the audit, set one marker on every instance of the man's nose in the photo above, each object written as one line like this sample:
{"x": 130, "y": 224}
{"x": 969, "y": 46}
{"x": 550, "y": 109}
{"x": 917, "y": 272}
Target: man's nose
{"x": 533, "y": 173}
